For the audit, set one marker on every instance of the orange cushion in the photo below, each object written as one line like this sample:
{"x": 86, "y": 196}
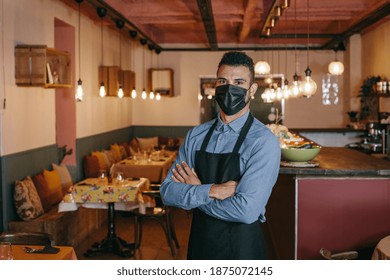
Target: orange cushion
{"x": 49, "y": 197}
{"x": 91, "y": 166}
{"x": 117, "y": 150}
{"x": 103, "y": 160}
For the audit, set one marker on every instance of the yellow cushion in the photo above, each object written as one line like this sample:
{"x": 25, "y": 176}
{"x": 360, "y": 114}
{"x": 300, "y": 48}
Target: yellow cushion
{"x": 117, "y": 150}
{"x": 53, "y": 180}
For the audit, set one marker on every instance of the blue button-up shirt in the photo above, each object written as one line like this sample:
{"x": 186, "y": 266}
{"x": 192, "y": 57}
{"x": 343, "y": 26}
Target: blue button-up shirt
{"x": 259, "y": 166}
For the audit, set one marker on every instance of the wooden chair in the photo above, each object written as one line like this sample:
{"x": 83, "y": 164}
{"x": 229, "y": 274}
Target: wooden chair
{"x": 26, "y": 238}
{"x": 161, "y": 214}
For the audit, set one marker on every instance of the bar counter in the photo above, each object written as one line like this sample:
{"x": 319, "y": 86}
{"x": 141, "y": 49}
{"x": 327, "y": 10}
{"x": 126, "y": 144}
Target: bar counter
{"x": 337, "y": 161}
{"x": 341, "y": 205}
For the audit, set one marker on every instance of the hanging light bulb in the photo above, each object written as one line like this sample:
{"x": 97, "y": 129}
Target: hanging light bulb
{"x": 79, "y": 91}
{"x": 262, "y": 67}
{"x": 120, "y": 92}
{"x": 151, "y": 95}
{"x": 309, "y": 86}
{"x": 133, "y": 34}
{"x": 101, "y": 13}
{"x": 158, "y": 96}
{"x": 286, "y": 90}
{"x": 133, "y": 93}
{"x": 295, "y": 86}
{"x": 102, "y": 90}
{"x": 119, "y": 24}
{"x": 143, "y": 94}
{"x": 336, "y": 68}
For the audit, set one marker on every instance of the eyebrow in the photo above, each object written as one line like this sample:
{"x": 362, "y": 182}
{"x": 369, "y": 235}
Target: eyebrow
{"x": 237, "y": 80}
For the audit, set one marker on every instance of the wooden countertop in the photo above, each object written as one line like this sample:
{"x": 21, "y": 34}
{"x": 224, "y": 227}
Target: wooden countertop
{"x": 327, "y": 130}
{"x": 338, "y": 161}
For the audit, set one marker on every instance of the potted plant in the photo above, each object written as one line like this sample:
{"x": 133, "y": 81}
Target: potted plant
{"x": 368, "y": 98}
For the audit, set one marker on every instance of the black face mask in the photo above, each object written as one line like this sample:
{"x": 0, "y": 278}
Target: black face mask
{"x": 230, "y": 98}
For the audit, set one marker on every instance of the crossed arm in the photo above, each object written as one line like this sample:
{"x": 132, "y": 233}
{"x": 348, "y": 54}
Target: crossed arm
{"x": 184, "y": 174}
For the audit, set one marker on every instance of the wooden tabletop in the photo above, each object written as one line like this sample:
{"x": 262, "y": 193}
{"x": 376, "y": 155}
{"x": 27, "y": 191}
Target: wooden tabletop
{"x": 343, "y": 162}
{"x": 65, "y": 253}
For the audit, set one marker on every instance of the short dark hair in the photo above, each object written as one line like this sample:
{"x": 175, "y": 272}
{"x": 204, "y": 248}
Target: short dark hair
{"x": 238, "y": 59}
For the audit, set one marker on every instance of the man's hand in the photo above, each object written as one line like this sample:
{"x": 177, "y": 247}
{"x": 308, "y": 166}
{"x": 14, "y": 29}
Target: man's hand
{"x": 184, "y": 174}
{"x": 222, "y": 191}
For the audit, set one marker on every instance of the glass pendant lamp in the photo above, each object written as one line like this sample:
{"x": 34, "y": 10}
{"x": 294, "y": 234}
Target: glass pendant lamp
{"x": 133, "y": 34}
{"x": 79, "y": 90}
{"x": 309, "y": 86}
{"x": 119, "y": 25}
{"x": 101, "y": 13}
{"x": 143, "y": 43}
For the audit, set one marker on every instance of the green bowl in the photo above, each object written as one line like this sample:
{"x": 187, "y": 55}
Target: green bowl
{"x": 300, "y": 155}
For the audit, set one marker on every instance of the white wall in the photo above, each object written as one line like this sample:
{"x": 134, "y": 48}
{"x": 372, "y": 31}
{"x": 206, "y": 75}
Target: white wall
{"x": 28, "y": 121}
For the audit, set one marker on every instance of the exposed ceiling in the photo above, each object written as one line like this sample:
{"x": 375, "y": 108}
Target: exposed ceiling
{"x": 171, "y": 25}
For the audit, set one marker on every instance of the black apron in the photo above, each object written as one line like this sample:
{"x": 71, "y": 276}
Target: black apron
{"x": 212, "y": 238}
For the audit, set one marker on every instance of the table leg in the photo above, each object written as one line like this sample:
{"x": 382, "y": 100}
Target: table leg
{"x": 112, "y": 243}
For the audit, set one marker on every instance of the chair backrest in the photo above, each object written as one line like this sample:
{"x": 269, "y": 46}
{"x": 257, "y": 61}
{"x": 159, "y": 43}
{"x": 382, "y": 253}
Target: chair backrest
{"x": 26, "y": 238}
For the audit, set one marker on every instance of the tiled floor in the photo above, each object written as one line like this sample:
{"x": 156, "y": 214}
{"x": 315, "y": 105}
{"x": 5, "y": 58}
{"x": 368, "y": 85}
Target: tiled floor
{"x": 154, "y": 245}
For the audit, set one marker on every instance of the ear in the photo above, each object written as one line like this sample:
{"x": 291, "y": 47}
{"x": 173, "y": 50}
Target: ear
{"x": 253, "y": 89}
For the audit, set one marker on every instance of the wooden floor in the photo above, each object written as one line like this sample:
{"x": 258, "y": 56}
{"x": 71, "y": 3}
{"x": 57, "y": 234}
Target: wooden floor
{"x": 154, "y": 245}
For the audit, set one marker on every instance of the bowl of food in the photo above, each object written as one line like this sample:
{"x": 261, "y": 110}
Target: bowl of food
{"x": 302, "y": 153}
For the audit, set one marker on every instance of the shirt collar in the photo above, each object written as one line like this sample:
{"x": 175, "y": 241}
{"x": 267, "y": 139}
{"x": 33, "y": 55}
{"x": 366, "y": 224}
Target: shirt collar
{"x": 235, "y": 125}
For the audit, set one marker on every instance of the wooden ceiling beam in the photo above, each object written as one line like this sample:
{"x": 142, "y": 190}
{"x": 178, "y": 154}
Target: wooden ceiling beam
{"x": 206, "y": 12}
{"x": 249, "y": 11}
{"x": 372, "y": 18}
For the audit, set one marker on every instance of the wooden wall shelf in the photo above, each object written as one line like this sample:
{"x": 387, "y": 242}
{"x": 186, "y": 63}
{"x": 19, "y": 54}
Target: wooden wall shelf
{"x": 38, "y": 65}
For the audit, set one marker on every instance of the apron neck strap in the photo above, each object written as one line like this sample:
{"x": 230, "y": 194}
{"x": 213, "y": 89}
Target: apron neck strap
{"x": 243, "y": 133}
{"x": 208, "y": 136}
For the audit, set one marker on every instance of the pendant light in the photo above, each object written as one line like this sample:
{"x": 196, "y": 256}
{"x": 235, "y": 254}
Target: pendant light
{"x": 143, "y": 43}
{"x": 158, "y": 96}
{"x": 79, "y": 91}
{"x": 133, "y": 34}
{"x": 119, "y": 24}
{"x": 336, "y": 67}
{"x": 309, "y": 86}
{"x": 295, "y": 87}
{"x": 101, "y": 13}
{"x": 151, "y": 47}
{"x": 262, "y": 67}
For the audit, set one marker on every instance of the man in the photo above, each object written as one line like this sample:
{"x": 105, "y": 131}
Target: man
{"x": 225, "y": 170}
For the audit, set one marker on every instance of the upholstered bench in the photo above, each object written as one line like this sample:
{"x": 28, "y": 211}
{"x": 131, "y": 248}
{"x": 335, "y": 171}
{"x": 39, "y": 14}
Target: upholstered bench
{"x": 65, "y": 228}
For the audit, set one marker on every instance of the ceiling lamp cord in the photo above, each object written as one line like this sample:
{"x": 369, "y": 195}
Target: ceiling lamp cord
{"x": 79, "y": 91}
{"x": 143, "y": 94}
{"x": 101, "y": 13}
{"x": 309, "y": 86}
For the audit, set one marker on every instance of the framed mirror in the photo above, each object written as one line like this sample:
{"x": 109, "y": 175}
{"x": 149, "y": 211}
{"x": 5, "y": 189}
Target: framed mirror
{"x": 161, "y": 81}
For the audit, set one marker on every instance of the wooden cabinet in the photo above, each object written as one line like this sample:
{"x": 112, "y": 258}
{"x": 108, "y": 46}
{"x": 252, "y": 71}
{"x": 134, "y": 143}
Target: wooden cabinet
{"x": 37, "y": 65}
{"x": 113, "y": 76}
{"x": 110, "y": 76}
{"x": 128, "y": 82}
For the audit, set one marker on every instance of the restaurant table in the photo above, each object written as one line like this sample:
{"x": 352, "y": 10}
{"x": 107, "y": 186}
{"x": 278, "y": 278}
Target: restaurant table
{"x": 382, "y": 249}
{"x": 65, "y": 253}
{"x": 153, "y": 168}
{"x": 93, "y": 193}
